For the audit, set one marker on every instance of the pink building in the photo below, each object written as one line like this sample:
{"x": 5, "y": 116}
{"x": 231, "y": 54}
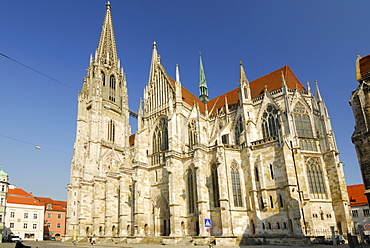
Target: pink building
{"x": 55, "y": 218}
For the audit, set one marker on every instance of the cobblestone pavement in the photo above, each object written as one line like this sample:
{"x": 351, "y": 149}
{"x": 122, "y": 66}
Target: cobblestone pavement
{"x": 56, "y": 244}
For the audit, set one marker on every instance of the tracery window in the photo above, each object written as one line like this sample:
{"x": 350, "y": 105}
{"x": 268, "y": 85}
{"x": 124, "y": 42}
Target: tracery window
{"x": 235, "y": 179}
{"x": 302, "y": 121}
{"x": 215, "y": 186}
{"x": 112, "y": 88}
{"x": 238, "y": 130}
{"x": 315, "y": 178}
{"x": 270, "y": 122}
{"x": 192, "y": 191}
{"x": 111, "y": 130}
{"x": 193, "y": 134}
{"x": 160, "y": 141}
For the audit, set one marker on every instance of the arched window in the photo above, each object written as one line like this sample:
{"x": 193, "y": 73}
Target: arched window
{"x": 111, "y": 130}
{"x": 270, "y": 122}
{"x": 238, "y": 130}
{"x": 262, "y": 203}
{"x": 112, "y": 88}
{"x": 160, "y": 141}
{"x": 271, "y": 171}
{"x": 256, "y": 174}
{"x": 281, "y": 201}
{"x": 315, "y": 178}
{"x": 302, "y": 121}
{"x": 216, "y": 192}
{"x": 235, "y": 179}
{"x": 192, "y": 191}
{"x": 193, "y": 134}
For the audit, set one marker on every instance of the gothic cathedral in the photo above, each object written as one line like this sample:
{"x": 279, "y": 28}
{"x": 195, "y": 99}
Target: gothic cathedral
{"x": 260, "y": 160}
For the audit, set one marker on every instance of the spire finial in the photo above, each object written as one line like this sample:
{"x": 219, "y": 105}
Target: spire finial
{"x": 318, "y": 95}
{"x": 108, "y": 5}
{"x": 203, "y": 89}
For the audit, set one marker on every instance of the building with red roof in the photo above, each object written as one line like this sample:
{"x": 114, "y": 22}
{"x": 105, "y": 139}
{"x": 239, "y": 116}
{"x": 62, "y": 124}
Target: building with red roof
{"x": 54, "y": 218}
{"x": 24, "y": 215}
{"x": 359, "y": 205}
{"x": 259, "y": 160}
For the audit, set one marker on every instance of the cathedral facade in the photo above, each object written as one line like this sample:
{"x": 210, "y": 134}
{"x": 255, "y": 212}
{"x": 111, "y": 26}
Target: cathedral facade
{"x": 260, "y": 160}
{"x": 360, "y": 102}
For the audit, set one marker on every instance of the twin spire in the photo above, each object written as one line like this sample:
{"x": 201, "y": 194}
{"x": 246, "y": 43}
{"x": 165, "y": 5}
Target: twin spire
{"x": 107, "y": 51}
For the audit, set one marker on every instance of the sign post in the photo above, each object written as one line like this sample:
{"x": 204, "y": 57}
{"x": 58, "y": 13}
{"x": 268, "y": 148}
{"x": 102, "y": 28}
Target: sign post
{"x": 208, "y": 225}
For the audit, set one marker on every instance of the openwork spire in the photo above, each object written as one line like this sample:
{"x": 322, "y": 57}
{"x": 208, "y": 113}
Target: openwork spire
{"x": 203, "y": 89}
{"x": 107, "y": 51}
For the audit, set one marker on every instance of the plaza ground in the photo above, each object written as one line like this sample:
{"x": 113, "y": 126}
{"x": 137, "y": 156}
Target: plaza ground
{"x": 56, "y": 244}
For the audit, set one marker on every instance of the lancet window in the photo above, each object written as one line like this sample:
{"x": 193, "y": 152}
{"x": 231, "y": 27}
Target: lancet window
{"x": 111, "y": 130}
{"x": 192, "y": 191}
{"x": 238, "y": 130}
{"x": 270, "y": 122}
{"x": 302, "y": 121}
{"x": 215, "y": 186}
{"x": 112, "y": 88}
{"x": 193, "y": 134}
{"x": 235, "y": 179}
{"x": 160, "y": 141}
{"x": 315, "y": 178}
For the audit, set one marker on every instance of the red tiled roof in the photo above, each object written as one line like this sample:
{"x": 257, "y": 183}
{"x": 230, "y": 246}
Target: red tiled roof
{"x": 18, "y": 192}
{"x": 365, "y": 66}
{"x": 19, "y": 196}
{"x": 272, "y": 81}
{"x": 56, "y": 205}
{"x": 356, "y": 195}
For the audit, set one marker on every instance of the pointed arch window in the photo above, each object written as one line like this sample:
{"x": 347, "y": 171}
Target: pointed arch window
{"x": 302, "y": 121}
{"x": 235, "y": 179}
{"x": 192, "y": 191}
{"x": 112, "y": 88}
{"x": 193, "y": 134}
{"x": 270, "y": 122}
{"x": 238, "y": 130}
{"x": 111, "y": 130}
{"x": 272, "y": 171}
{"x": 315, "y": 178}
{"x": 160, "y": 141}
{"x": 215, "y": 186}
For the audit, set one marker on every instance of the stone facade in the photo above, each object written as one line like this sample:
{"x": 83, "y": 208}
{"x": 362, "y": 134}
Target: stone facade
{"x": 360, "y": 102}
{"x": 260, "y": 160}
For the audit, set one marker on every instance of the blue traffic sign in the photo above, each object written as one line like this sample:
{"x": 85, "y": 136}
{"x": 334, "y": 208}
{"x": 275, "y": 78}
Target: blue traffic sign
{"x": 207, "y": 223}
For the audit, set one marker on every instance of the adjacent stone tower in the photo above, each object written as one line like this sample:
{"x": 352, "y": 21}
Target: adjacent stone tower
{"x": 100, "y": 148}
{"x": 360, "y": 102}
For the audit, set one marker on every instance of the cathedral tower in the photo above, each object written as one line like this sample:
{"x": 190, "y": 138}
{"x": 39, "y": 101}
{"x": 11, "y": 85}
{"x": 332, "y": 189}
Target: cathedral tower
{"x": 101, "y": 142}
{"x": 360, "y": 102}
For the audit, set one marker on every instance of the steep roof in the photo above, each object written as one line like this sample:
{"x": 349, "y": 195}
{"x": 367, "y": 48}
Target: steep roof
{"x": 272, "y": 81}
{"x": 55, "y": 205}
{"x": 19, "y": 196}
{"x": 356, "y": 195}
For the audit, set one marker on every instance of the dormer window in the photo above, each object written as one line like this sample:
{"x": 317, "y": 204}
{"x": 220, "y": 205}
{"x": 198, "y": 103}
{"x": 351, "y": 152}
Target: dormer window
{"x": 50, "y": 206}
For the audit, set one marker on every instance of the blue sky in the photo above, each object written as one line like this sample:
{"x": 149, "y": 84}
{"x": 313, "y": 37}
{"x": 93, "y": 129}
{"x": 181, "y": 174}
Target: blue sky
{"x": 319, "y": 40}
